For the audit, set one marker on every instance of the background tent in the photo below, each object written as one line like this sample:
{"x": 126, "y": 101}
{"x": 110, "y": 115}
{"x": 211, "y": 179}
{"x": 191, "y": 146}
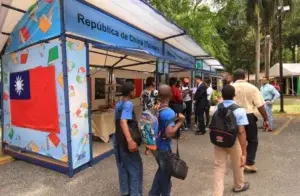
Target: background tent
{"x": 289, "y": 69}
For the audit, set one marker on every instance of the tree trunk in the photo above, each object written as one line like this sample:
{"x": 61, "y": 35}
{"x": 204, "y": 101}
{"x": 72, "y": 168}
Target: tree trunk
{"x": 257, "y": 51}
{"x": 267, "y": 48}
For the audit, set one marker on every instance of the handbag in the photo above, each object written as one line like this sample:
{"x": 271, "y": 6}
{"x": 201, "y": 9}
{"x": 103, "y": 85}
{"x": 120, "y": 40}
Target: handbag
{"x": 176, "y": 166}
{"x": 133, "y": 129}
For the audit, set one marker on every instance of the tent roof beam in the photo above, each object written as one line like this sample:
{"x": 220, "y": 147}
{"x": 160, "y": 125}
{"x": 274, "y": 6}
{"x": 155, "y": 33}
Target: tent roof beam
{"x": 13, "y": 8}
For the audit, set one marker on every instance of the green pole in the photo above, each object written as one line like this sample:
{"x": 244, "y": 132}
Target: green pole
{"x": 298, "y": 85}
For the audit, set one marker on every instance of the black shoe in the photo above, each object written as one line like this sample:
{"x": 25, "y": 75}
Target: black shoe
{"x": 200, "y": 133}
{"x": 245, "y": 188}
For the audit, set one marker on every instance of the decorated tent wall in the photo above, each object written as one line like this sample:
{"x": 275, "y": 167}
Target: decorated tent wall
{"x": 46, "y": 68}
{"x": 78, "y": 101}
{"x": 40, "y": 22}
{"x": 42, "y": 128}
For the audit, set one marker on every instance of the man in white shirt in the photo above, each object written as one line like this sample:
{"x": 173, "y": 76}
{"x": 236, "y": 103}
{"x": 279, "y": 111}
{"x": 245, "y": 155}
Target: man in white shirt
{"x": 209, "y": 94}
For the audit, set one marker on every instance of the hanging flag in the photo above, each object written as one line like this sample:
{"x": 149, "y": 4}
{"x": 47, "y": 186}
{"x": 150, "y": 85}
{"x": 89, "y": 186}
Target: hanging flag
{"x": 33, "y": 99}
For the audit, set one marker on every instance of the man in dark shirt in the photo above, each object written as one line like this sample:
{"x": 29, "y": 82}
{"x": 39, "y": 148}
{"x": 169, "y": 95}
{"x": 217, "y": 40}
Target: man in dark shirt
{"x": 201, "y": 103}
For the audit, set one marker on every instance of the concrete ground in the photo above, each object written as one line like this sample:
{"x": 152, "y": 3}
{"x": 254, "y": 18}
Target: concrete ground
{"x": 278, "y": 162}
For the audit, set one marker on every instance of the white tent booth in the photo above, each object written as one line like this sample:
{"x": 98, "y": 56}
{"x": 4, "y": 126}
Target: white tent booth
{"x": 291, "y": 73}
{"x": 93, "y": 47}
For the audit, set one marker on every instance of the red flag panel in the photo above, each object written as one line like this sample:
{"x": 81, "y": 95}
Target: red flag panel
{"x": 138, "y": 83}
{"x": 40, "y": 111}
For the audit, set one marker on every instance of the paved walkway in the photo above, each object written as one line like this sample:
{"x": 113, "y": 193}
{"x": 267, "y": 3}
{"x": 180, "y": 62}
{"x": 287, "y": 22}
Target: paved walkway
{"x": 278, "y": 160}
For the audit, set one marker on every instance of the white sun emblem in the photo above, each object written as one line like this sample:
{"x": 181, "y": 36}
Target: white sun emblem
{"x": 19, "y": 85}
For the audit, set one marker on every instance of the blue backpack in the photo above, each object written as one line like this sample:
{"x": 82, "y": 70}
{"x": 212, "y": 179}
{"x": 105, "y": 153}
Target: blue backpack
{"x": 148, "y": 126}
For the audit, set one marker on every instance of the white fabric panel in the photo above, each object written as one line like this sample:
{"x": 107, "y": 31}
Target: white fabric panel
{"x": 143, "y": 68}
{"x": 105, "y": 52}
{"x": 21, "y": 4}
{"x": 99, "y": 59}
{"x": 12, "y": 18}
{"x": 289, "y": 69}
{"x": 126, "y": 62}
{"x": 3, "y": 12}
{"x": 137, "y": 59}
{"x": 140, "y": 15}
{"x": 3, "y": 39}
{"x": 218, "y": 67}
{"x": 187, "y": 44}
{"x": 212, "y": 62}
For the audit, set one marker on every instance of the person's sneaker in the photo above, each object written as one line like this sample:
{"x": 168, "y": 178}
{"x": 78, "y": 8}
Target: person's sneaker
{"x": 250, "y": 169}
{"x": 199, "y": 133}
{"x": 245, "y": 188}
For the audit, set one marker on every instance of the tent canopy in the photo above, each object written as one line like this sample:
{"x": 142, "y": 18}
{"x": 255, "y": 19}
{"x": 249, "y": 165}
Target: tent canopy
{"x": 289, "y": 69}
{"x": 214, "y": 63}
{"x": 137, "y": 13}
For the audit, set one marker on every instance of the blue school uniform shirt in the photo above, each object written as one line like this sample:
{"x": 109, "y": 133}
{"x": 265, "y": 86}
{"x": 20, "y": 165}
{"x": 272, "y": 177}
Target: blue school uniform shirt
{"x": 240, "y": 113}
{"x": 166, "y": 118}
{"x": 124, "y": 110}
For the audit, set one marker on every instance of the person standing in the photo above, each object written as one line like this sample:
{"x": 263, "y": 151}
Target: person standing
{"x": 168, "y": 129}
{"x": 209, "y": 94}
{"x": 248, "y": 96}
{"x": 237, "y": 152}
{"x": 149, "y": 96}
{"x": 149, "y": 99}
{"x": 128, "y": 159}
{"x": 227, "y": 79}
{"x": 187, "y": 98}
{"x": 201, "y": 102}
{"x": 176, "y": 102}
{"x": 270, "y": 95}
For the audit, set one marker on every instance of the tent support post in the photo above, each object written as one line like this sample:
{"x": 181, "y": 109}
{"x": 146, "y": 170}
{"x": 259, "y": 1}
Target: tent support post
{"x": 67, "y": 105}
{"x": 2, "y": 110}
{"x": 110, "y": 76}
{"x": 89, "y": 101}
{"x": 63, "y": 40}
{"x": 156, "y": 75}
{"x": 292, "y": 78}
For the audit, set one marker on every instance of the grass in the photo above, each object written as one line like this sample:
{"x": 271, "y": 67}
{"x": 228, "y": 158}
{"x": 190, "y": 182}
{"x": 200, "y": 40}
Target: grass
{"x": 291, "y": 106}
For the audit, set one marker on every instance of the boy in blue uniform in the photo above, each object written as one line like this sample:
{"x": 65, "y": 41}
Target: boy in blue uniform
{"x": 237, "y": 152}
{"x": 129, "y": 162}
{"x": 162, "y": 181}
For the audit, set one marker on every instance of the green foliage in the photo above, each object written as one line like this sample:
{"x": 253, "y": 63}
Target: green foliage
{"x": 199, "y": 21}
{"x": 226, "y": 34}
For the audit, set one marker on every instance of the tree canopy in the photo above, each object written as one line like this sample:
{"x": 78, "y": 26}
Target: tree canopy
{"x": 226, "y": 31}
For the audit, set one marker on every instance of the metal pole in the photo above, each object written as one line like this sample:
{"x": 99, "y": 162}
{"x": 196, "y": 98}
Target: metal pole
{"x": 156, "y": 75}
{"x": 292, "y": 77}
{"x": 280, "y": 62}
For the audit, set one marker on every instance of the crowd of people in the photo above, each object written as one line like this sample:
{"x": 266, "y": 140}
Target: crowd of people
{"x": 173, "y": 105}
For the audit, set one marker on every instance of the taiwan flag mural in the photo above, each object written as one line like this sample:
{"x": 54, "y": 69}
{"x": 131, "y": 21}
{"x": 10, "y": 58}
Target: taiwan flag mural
{"x": 33, "y": 99}
{"x": 34, "y": 106}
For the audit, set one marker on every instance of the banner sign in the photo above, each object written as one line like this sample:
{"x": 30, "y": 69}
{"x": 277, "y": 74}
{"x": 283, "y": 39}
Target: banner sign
{"x": 41, "y": 21}
{"x": 94, "y": 24}
{"x": 179, "y": 57}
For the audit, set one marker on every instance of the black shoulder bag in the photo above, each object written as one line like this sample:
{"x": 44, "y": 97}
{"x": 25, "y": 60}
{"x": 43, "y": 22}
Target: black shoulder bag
{"x": 176, "y": 167}
{"x": 133, "y": 129}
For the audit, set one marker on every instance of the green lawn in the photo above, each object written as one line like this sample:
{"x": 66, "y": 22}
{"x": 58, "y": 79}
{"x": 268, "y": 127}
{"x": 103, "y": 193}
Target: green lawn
{"x": 291, "y": 106}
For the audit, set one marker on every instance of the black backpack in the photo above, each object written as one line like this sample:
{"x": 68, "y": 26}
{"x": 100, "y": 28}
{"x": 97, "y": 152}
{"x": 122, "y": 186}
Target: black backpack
{"x": 223, "y": 127}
